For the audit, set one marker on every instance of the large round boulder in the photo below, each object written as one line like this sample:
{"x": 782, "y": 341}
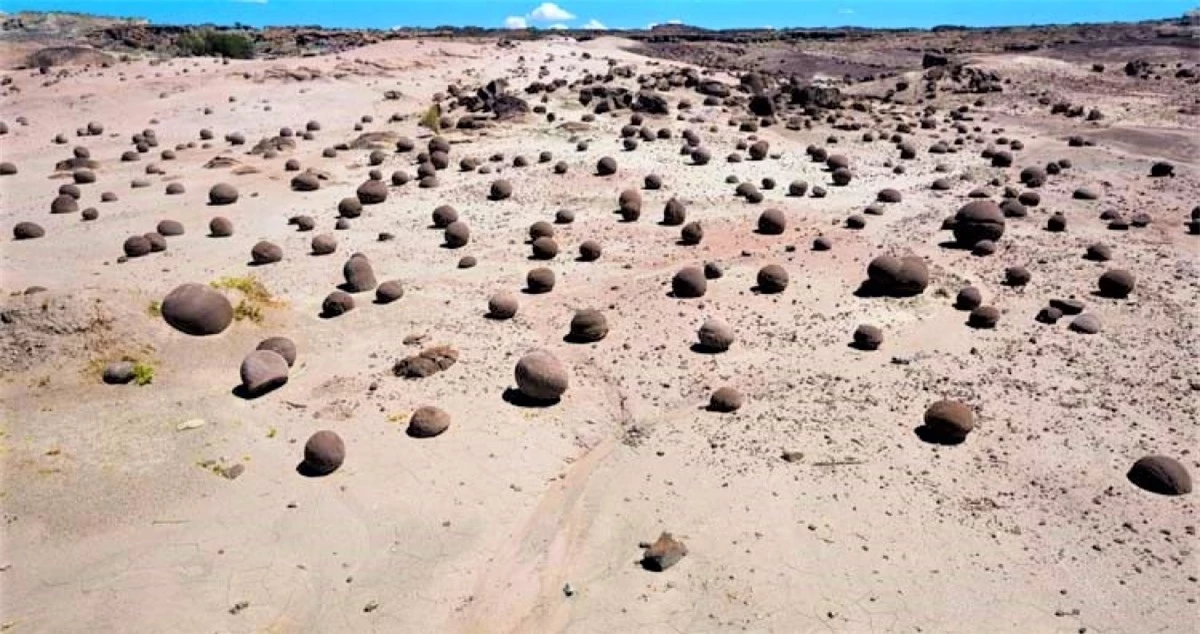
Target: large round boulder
{"x": 540, "y": 280}
{"x": 948, "y": 422}
{"x": 725, "y": 400}
{"x": 1162, "y": 475}
{"x": 501, "y": 190}
{"x": 323, "y": 453}
{"x": 282, "y": 346}
{"x": 503, "y": 305}
{"x": 428, "y": 422}
{"x": 689, "y": 282}
{"x": 715, "y": 336}
{"x": 263, "y": 371}
{"x": 337, "y": 303}
{"x": 1116, "y": 283}
{"x": 898, "y": 276}
{"x": 222, "y": 194}
{"x": 772, "y": 278}
{"x": 541, "y": 376}
{"x": 457, "y": 234}
{"x": 265, "y": 252}
{"x": 197, "y": 309}
{"x": 587, "y": 326}
{"x": 27, "y": 231}
{"x": 360, "y": 277}
{"x": 978, "y": 220}
{"x": 772, "y": 222}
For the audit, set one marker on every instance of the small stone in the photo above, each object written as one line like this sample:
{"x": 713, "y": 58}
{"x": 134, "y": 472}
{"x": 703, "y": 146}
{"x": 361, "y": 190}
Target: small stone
{"x": 118, "y": 372}
{"x": 665, "y": 552}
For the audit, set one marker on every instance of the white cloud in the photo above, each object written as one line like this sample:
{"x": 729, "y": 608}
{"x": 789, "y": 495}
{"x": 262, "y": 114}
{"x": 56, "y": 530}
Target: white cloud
{"x": 675, "y": 21}
{"x": 651, "y": 25}
{"x": 550, "y": 12}
{"x": 846, "y": 11}
{"x": 594, "y": 25}
{"x": 515, "y": 22}
{"x": 558, "y": 27}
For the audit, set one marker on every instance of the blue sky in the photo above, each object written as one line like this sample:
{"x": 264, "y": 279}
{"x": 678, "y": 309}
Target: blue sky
{"x": 621, "y": 13}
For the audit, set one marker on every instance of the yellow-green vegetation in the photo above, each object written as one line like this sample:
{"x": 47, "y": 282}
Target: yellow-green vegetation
{"x": 154, "y": 309}
{"x": 143, "y": 373}
{"x": 255, "y": 296}
{"x": 432, "y": 118}
{"x": 246, "y": 310}
{"x": 216, "y": 44}
{"x": 248, "y": 285}
{"x": 272, "y": 432}
{"x": 228, "y": 472}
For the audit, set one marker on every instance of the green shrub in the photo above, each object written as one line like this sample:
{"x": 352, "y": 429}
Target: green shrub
{"x": 143, "y": 373}
{"x": 432, "y": 119}
{"x": 216, "y": 44}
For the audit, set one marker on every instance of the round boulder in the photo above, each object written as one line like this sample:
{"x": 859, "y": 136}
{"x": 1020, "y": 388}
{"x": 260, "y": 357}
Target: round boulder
{"x": 222, "y": 194}
{"x": 282, "y": 346}
{"x": 725, "y": 400}
{"x": 540, "y": 280}
{"x": 969, "y": 298}
{"x": 541, "y": 376}
{"x": 457, "y": 234}
{"x": 978, "y": 220}
{"x": 1160, "y": 474}
{"x": 984, "y": 317}
{"x": 197, "y": 309}
{"x": 772, "y": 222}
{"x": 898, "y": 276}
{"x": 868, "y": 337}
{"x": 428, "y": 422}
{"x": 337, "y": 303}
{"x": 588, "y": 326}
{"x": 715, "y": 336}
{"x": 948, "y": 422}
{"x": 502, "y": 305}
{"x": 1116, "y": 283}
{"x": 263, "y": 371}
{"x": 27, "y": 231}
{"x": 137, "y": 246}
{"x": 266, "y": 253}
{"x": 324, "y": 453}
{"x": 689, "y": 282}
{"x": 360, "y": 277}
{"x": 220, "y": 227}
{"x": 501, "y": 190}
{"x": 772, "y": 278}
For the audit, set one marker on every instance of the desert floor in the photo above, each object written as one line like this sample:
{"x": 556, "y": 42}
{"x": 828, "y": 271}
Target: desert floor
{"x": 117, "y": 517}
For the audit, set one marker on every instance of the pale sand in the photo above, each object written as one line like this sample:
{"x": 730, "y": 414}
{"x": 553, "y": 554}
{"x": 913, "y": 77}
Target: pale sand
{"x": 1029, "y": 526}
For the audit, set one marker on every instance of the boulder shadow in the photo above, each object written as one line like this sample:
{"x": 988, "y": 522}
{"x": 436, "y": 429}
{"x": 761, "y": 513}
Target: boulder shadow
{"x": 519, "y": 399}
{"x": 324, "y": 314}
{"x": 308, "y": 471}
{"x": 929, "y": 436}
{"x": 868, "y": 290}
{"x": 700, "y": 348}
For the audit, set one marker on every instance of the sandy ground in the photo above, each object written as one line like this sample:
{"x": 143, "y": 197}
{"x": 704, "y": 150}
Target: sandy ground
{"x": 114, "y": 520}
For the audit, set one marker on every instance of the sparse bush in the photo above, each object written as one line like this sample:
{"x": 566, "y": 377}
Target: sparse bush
{"x": 432, "y": 118}
{"x": 143, "y": 373}
{"x": 216, "y": 44}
